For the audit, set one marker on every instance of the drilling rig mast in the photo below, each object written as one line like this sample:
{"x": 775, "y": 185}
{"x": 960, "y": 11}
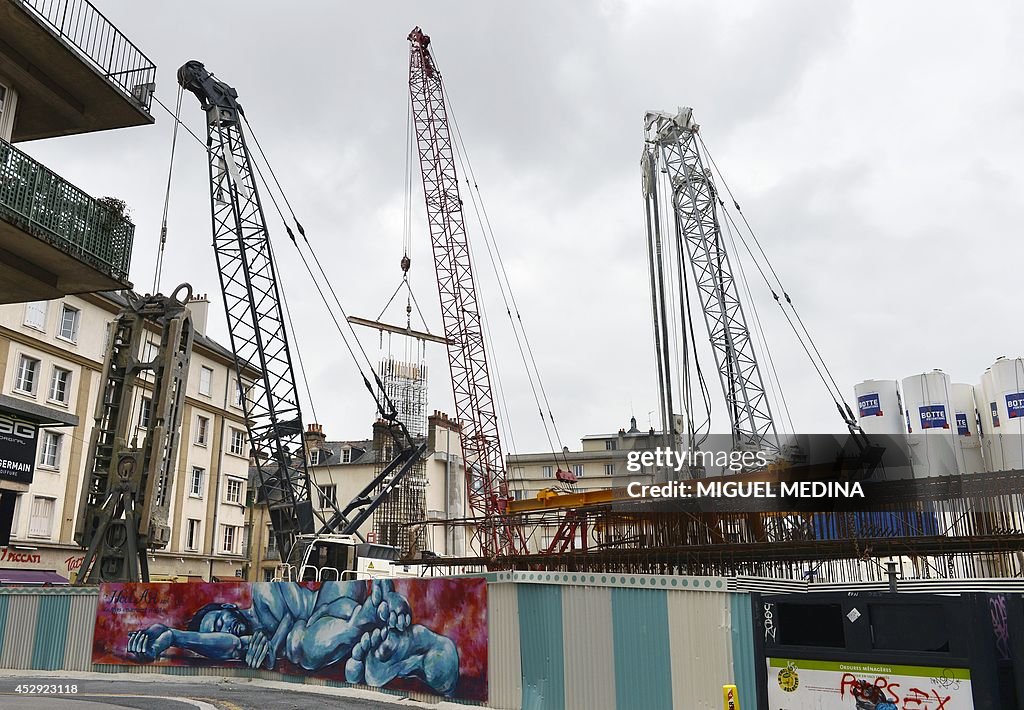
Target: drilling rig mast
{"x": 671, "y": 143}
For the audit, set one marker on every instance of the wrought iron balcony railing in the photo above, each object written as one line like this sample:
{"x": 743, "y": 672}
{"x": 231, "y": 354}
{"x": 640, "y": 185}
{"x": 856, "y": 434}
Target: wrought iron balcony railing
{"x": 95, "y": 38}
{"x": 47, "y": 206}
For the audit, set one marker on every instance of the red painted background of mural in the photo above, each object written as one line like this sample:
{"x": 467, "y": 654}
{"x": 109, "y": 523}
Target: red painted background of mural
{"x": 453, "y": 608}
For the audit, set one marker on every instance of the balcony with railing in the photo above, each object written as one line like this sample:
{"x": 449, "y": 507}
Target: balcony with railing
{"x": 73, "y": 70}
{"x": 54, "y": 238}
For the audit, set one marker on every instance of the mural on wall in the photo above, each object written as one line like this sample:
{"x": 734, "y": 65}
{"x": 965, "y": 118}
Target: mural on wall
{"x": 427, "y": 635}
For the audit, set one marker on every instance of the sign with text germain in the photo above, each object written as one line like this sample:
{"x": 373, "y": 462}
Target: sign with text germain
{"x": 933, "y": 416}
{"x": 868, "y": 405}
{"x": 18, "y": 437}
{"x": 1015, "y": 405}
{"x": 828, "y": 685}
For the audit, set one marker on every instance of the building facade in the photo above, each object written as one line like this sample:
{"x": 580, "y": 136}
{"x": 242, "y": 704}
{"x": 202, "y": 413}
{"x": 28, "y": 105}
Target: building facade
{"x": 51, "y": 357}
{"x": 64, "y": 70}
{"x": 342, "y": 469}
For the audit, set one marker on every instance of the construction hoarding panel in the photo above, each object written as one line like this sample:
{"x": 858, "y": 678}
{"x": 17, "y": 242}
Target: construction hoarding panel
{"x": 427, "y": 635}
{"x": 829, "y": 685}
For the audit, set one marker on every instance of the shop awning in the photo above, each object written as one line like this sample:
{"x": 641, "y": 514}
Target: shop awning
{"x": 31, "y": 577}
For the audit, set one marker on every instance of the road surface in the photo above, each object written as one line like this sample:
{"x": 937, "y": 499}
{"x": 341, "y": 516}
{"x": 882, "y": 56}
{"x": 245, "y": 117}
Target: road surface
{"x": 151, "y": 692}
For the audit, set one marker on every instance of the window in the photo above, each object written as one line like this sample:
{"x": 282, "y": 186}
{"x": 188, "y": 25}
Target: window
{"x": 548, "y": 471}
{"x": 314, "y": 457}
{"x": 145, "y": 411}
{"x": 237, "y": 445}
{"x": 28, "y": 373}
{"x": 611, "y": 444}
{"x": 230, "y": 533}
{"x": 195, "y": 482}
{"x": 205, "y": 381}
{"x": 609, "y": 469}
{"x": 17, "y": 515}
{"x": 60, "y": 385}
{"x": 149, "y": 351}
{"x": 49, "y": 452}
{"x": 35, "y": 315}
{"x": 192, "y": 534}
{"x": 202, "y": 430}
{"x": 271, "y": 540}
{"x": 239, "y": 394}
{"x": 577, "y": 468}
{"x": 328, "y": 496}
{"x": 233, "y": 494}
{"x": 69, "y": 318}
{"x": 346, "y": 455}
{"x": 41, "y": 523}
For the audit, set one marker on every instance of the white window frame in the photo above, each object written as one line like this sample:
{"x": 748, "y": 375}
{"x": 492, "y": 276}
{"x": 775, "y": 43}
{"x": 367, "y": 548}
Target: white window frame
{"x": 145, "y": 412}
{"x": 202, "y": 437}
{"x": 239, "y": 394}
{"x": 271, "y": 539}
{"x": 236, "y": 436}
{"x": 548, "y": 471}
{"x": 314, "y": 457}
{"x": 76, "y": 323}
{"x": 193, "y": 492}
{"x": 328, "y": 493}
{"x": 34, "y": 529}
{"x": 49, "y": 457}
{"x": 577, "y": 469}
{"x": 18, "y": 378}
{"x": 206, "y": 378}
{"x": 34, "y": 306}
{"x": 346, "y": 455}
{"x": 611, "y": 445}
{"x": 237, "y": 498}
{"x": 228, "y": 539}
{"x": 193, "y": 528}
{"x": 609, "y": 469}
{"x": 51, "y": 396}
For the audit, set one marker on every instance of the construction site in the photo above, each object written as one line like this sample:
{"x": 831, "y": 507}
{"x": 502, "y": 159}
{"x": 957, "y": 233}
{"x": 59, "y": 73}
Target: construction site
{"x": 801, "y": 513}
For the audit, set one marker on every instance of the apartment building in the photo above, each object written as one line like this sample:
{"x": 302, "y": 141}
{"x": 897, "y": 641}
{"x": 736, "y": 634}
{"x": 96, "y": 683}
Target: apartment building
{"x": 51, "y": 362}
{"x": 341, "y": 469}
{"x": 65, "y": 69}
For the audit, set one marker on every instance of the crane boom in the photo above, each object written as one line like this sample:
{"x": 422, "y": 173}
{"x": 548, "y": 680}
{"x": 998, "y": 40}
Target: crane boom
{"x": 253, "y": 305}
{"x": 694, "y": 199}
{"x": 487, "y": 488}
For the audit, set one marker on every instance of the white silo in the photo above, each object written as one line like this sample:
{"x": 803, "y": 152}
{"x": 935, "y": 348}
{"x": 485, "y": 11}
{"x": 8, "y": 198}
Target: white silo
{"x": 932, "y": 432}
{"x": 880, "y": 407}
{"x": 1008, "y": 394}
{"x": 991, "y": 423}
{"x": 967, "y": 435}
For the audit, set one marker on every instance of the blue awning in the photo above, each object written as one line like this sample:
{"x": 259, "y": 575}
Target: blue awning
{"x": 31, "y": 577}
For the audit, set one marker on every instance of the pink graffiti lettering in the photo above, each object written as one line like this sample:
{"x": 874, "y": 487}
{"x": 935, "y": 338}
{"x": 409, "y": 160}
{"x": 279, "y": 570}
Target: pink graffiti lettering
{"x": 925, "y": 700}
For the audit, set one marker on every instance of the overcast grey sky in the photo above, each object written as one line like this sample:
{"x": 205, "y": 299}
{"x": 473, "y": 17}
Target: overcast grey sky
{"x": 875, "y": 147}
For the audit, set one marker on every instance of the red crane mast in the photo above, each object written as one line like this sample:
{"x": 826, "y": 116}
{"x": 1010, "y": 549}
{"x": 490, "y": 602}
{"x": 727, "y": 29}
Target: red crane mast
{"x": 486, "y": 485}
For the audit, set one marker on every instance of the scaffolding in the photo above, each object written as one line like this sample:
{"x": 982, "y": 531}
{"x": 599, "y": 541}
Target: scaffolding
{"x": 395, "y": 522}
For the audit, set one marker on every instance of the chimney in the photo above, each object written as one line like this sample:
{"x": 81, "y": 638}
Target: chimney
{"x": 314, "y": 436}
{"x": 199, "y": 307}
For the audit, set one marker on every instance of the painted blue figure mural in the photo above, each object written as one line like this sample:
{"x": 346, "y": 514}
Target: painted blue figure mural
{"x": 371, "y": 633}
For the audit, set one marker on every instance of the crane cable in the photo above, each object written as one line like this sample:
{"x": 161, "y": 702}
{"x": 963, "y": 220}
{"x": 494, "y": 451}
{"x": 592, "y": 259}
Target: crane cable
{"x": 823, "y": 372}
{"x": 504, "y": 284}
{"x": 159, "y": 268}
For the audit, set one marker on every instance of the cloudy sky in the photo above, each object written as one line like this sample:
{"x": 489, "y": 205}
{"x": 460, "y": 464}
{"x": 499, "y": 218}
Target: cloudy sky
{"x": 875, "y": 148}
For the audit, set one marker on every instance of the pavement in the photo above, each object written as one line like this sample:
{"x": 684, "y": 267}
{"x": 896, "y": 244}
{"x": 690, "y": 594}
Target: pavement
{"x": 75, "y": 690}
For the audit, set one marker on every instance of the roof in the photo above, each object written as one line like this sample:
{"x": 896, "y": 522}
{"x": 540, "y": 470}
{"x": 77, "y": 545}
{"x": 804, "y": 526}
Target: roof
{"x": 203, "y": 341}
{"x": 368, "y": 454}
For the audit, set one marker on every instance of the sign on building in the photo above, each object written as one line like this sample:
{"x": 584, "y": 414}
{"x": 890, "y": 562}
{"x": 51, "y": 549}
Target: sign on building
{"x": 933, "y": 416}
{"x": 18, "y": 437}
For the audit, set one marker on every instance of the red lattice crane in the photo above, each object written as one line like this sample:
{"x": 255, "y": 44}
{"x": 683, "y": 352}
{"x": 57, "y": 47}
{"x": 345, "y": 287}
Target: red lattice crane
{"x": 486, "y": 486}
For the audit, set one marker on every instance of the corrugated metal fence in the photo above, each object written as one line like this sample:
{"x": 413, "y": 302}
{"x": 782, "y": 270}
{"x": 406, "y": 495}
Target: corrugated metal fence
{"x": 556, "y": 640}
